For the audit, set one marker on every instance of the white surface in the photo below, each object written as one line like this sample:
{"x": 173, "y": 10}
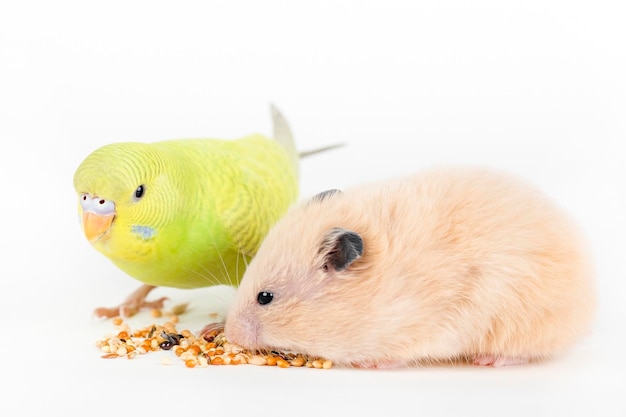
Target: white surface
{"x": 536, "y": 87}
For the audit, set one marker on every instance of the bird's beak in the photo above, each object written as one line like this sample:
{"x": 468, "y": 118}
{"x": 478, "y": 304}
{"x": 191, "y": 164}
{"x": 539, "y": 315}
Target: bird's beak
{"x": 96, "y": 225}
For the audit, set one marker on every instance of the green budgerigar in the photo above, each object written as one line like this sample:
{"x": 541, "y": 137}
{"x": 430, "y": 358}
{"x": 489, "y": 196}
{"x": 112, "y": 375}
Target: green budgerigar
{"x": 185, "y": 213}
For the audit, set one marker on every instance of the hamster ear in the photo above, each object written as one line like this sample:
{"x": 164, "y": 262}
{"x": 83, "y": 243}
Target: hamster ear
{"x": 324, "y": 195}
{"x": 341, "y": 247}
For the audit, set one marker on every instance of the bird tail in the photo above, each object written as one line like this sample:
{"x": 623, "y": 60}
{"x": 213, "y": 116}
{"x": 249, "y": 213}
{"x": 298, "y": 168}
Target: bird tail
{"x": 303, "y": 154}
{"x": 282, "y": 133}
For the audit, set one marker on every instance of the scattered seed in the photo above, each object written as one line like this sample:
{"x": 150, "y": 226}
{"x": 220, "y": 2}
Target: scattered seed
{"x": 151, "y": 332}
{"x": 257, "y": 360}
{"x": 299, "y": 361}
{"x": 281, "y": 363}
{"x": 194, "y": 351}
{"x": 217, "y": 360}
{"x": 179, "y": 309}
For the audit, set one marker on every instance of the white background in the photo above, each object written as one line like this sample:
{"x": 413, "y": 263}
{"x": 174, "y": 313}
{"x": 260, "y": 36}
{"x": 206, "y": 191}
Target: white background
{"x": 536, "y": 87}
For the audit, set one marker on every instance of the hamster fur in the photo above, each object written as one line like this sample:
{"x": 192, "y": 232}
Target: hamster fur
{"x": 447, "y": 265}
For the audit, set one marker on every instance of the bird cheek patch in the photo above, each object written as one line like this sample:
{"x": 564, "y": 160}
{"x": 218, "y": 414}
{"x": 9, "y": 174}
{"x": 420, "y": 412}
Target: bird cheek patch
{"x": 144, "y": 232}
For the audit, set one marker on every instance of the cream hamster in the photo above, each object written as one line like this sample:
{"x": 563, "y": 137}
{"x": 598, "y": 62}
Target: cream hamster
{"x": 450, "y": 264}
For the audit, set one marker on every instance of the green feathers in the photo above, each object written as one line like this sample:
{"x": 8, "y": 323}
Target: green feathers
{"x": 187, "y": 213}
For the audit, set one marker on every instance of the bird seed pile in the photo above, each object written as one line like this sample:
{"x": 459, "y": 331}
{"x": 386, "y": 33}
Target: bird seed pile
{"x": 211, "y": 349}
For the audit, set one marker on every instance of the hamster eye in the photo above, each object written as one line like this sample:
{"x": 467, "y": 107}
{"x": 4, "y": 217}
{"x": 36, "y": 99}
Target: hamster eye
{"x": 265, "y": 297}
{"x": 139, "y": 192}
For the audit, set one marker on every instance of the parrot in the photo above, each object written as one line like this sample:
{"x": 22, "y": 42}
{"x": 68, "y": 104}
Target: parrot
{"x": 186, "y": 213}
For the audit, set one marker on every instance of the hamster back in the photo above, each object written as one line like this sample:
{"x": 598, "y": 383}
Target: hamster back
{"x": 445, "y": 265}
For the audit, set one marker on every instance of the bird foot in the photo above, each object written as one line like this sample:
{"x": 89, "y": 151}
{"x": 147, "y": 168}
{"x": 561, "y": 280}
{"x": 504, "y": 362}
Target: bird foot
{"x": 132, "y": 305}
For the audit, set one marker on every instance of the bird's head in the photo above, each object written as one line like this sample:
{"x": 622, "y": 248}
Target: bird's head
{"x": 122, "y": 183}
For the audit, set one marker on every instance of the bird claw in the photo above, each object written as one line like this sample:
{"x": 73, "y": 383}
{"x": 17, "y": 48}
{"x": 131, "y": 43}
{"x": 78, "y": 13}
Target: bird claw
{"x": 107, "y": 312}
{"x": 133, "y": 303}
{"x": 154, "y": 304}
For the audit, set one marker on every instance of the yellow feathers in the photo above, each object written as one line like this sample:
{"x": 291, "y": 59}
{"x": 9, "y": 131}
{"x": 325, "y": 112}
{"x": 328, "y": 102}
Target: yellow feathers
{"x": 186, "y": 213}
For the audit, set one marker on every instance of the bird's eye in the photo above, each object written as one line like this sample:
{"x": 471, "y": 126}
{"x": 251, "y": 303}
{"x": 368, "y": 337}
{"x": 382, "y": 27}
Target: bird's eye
{"x": 139, "y": 192}
{"x": 265, "y": 297}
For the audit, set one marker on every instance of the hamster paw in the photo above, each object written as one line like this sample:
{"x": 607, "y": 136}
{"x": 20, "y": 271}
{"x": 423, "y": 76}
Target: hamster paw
{"x": 211, "y": 330}
{"x": 379, "y": 365}
{"x": 491, "y": 360}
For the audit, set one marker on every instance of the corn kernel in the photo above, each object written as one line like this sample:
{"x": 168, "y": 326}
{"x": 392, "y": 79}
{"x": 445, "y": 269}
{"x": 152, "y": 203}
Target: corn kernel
{"x": 281, "y": 363}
